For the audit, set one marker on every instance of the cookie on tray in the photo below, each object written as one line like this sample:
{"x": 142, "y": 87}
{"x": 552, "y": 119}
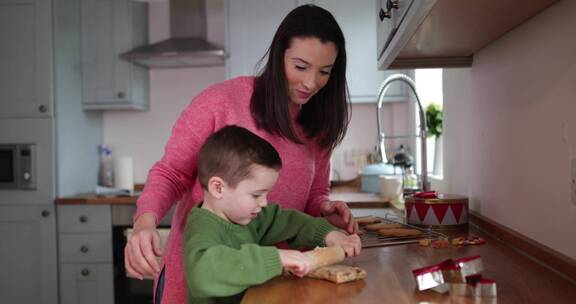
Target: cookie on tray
{"x": 376, "y": 227}
{"x": 398, "y": 232}
{"x": 366, "y": 220}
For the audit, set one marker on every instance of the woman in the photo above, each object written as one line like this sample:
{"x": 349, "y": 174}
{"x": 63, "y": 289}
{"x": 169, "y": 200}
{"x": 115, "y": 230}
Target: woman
{"x": 298, "y": 104}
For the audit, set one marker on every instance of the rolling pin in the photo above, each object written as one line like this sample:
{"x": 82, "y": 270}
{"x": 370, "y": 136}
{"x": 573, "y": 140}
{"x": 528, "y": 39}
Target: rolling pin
{"x": 326, "y": 256}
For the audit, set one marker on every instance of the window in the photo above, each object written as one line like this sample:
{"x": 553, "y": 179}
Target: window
{"x": 429, "y": 88}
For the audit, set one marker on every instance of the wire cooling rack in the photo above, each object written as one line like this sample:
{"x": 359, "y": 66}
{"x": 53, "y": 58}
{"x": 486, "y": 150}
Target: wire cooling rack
{"x": 373, "y": 239}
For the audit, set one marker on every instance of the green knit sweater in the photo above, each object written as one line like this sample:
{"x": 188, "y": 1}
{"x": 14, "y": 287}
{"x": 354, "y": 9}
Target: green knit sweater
{"x": 223, "y": 259}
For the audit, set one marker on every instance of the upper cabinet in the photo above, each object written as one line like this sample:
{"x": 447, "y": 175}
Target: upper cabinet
{"x": 108, "y": 29}
{"x": 26, "y": 59}
{"x": 252, "y": 24}
{"x": 444, "y": 33}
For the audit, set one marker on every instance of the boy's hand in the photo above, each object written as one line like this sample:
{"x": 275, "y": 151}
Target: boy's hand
{"x": 350, "y": 243}
{"x": 295, "y": 262}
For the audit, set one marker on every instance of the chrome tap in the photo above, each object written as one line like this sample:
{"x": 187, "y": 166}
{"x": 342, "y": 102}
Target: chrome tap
{"x": 380, "y": 148}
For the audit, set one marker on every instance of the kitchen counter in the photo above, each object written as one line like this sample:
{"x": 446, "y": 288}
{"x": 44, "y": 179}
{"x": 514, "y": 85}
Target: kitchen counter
{"x": 347, "y": 192}
{"x": 389, "y": 278}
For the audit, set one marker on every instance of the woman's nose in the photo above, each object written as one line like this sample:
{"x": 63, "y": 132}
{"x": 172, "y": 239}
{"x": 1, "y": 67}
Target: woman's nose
{"x": 310, "y": 81}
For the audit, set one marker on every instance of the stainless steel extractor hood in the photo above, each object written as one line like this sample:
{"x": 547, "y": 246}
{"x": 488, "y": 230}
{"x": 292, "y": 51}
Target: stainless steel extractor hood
{"x": 187, "y": 45}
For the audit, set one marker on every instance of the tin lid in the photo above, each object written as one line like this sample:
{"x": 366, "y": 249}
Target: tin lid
{"x": 442, "y": 198}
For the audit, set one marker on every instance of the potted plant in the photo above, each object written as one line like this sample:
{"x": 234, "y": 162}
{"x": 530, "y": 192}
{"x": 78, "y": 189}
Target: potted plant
{"x": 434, "y": 118}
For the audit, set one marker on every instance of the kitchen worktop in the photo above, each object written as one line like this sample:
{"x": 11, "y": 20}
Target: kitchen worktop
{"x": 347, "y": 192}
{"x": 389, "y": 278}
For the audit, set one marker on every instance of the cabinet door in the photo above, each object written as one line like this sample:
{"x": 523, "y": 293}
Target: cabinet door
{"x": 86, "y": 284}
{"x": 251, "y": 27}
{"x": 357, "y": 19}
{"x": 28, "y": 255}
{"x": 110, "y": 28}
{"x": 26, "y": 58}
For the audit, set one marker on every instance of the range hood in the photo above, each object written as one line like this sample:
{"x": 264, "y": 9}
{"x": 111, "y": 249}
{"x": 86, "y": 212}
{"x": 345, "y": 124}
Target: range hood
{"x": 187, "y": 45}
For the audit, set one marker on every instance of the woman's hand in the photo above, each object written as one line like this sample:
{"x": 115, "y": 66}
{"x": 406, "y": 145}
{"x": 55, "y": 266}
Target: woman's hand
{"x": 142, "y": 248}
{"x": 295, "y": 262}
{"x": 350, "y": 243}
{"x": 338, "y": 214}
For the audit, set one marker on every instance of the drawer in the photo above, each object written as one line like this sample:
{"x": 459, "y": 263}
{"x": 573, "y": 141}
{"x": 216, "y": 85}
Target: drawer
{"x": 86, "y": 283}
{"x": 84, "y": 218}
{"x": 78, "y": 248}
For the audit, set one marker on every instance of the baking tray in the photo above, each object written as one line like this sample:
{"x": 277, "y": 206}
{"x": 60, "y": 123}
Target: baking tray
{"x": 373, "y": 239}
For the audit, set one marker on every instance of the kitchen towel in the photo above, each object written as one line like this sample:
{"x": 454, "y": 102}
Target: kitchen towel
{"x": 124, "y": 174}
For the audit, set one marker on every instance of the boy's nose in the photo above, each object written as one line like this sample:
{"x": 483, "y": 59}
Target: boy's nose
{"x": 263, "y": 203}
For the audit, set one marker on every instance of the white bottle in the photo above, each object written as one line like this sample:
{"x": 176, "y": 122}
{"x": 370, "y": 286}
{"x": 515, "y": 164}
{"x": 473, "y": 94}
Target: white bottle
{"x": 106, "y": 172}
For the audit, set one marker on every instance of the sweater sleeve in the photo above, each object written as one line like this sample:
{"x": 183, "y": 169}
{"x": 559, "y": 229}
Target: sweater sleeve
{"x": 320, "y": 188}
{"x": 214, "y": 270}
{"x": 299, "y": 229}
{"x": 171, "y": 177}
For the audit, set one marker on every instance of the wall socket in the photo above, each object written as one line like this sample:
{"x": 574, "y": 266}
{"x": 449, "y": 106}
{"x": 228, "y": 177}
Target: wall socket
{"x": 573, "y": 180}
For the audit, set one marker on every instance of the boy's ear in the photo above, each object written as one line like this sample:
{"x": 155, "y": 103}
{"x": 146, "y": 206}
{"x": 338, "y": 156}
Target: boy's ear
{"x": 216, "y": 187}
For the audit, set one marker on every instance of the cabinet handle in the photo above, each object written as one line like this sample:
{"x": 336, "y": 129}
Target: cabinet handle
{"x": 84, "y": 249}
{"x": 83, "y": 219}
{"x": 383, "y": 14}
{"x": 45, "y": 213}
{"x": 42, "y": 109}
{"x": 392, "y": 4}
{"x": 85, "y": 272}
{"x": 121, "y": 95}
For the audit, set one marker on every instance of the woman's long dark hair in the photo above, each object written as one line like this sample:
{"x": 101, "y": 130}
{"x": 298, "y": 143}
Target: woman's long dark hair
{"x": 325, "y": 116}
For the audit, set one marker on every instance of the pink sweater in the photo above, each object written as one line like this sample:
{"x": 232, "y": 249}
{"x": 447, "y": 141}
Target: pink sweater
{"x": 302, "y": 184}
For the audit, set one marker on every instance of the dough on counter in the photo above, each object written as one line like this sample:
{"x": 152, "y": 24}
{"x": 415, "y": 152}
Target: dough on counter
{"x": 323, "y": 256}
{"x": 376, "y": 227}
{"x": 369, "y": 219}
{"x": 399, "y": 232}
{"x": 338, "y": 273}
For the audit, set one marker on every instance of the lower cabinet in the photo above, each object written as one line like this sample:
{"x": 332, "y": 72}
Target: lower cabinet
{"x": 28, "y": 254}
{"x": 85, "y": 254}
{"x": 86, "y": 283}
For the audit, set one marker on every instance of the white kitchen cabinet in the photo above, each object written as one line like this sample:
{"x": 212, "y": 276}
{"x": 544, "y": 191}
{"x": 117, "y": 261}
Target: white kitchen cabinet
{"x": 85, "y": 254}
{"x": 86, "y": 283}
{"x": 108, "y": 29}
{"x": 25, "y": 58}
{"x": 40, "y": 103}
{"x": 28, "y": 254}
{"x": 252, "y": 24}
{"x": 358, "y": 22}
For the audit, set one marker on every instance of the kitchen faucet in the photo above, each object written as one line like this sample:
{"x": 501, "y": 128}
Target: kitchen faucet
{"x": 381, "y": 151}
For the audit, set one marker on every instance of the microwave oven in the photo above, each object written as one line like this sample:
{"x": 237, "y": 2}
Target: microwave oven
{"x": 17, "y": 166}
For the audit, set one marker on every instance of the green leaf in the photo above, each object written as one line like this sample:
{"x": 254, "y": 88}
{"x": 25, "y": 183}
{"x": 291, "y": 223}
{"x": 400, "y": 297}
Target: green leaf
{"x": 434, "y": 118}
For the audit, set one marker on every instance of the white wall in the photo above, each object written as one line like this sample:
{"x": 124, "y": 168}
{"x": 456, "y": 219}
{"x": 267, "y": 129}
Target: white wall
{"x": 143, "y": 135}
{"x": 510, "y": 129}
{"x": 362, "y": 135}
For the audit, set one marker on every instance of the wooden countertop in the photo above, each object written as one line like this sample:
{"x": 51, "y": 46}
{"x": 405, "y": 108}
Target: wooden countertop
{"x": 347, "y": 192}
{"x": 389, "y": 278}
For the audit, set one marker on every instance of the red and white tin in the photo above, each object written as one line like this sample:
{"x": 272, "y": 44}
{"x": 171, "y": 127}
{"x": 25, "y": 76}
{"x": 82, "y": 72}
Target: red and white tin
{"x": 438, "y": 211}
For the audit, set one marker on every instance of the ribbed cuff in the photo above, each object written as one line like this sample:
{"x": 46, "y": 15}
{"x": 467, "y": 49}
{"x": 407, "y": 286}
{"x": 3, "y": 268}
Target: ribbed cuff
{"x": 272, "y": 262}
{"x": 322, "y": 230}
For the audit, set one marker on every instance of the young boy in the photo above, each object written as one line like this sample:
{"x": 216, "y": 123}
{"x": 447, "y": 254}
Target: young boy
{"x": 230, "y": 236}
